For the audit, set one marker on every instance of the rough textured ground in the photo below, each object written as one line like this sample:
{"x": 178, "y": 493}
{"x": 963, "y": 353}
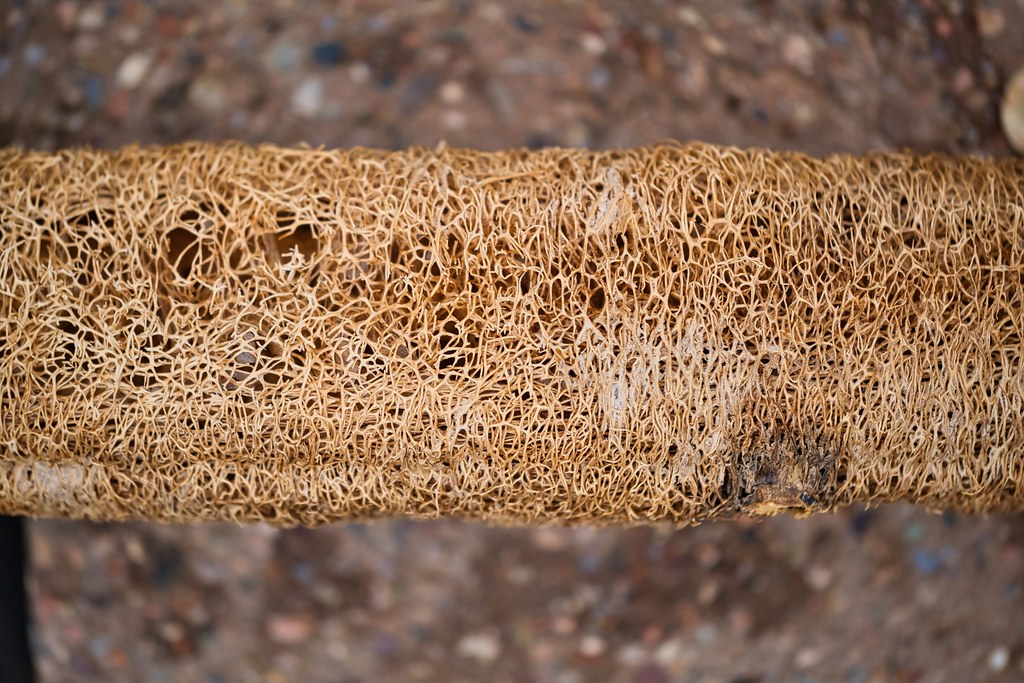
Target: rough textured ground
{"x": 892, "y": 594}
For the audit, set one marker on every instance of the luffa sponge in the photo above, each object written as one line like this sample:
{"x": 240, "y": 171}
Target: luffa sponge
{"x": 299, "y": 336}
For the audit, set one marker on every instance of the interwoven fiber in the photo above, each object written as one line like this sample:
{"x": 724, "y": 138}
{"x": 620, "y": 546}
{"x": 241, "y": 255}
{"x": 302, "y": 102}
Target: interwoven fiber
{"x": 298, "y": 336}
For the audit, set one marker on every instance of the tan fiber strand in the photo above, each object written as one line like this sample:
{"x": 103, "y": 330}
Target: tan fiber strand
{"x": 205, "y": 332}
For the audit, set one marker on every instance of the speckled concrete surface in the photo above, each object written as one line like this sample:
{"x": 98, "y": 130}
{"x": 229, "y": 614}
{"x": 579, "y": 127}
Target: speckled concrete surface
{"x": 891, "y": 594}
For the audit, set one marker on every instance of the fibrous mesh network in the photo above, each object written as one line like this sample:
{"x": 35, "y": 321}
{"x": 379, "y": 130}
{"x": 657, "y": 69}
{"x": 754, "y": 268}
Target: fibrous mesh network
{"x": 218, "y": 331}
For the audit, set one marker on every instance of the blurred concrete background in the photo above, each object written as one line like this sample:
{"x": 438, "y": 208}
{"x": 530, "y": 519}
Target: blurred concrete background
{"x": 863, "y": 596}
